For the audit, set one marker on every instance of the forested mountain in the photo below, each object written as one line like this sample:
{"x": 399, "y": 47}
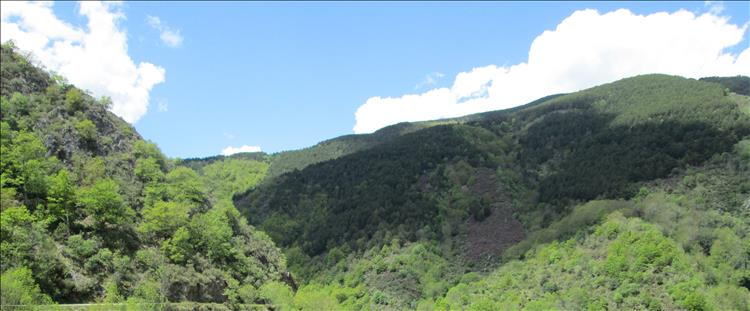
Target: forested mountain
{"x": 398, "y": 223}
{"x": 629, "y": 195}
{"x": 91, "y": 212}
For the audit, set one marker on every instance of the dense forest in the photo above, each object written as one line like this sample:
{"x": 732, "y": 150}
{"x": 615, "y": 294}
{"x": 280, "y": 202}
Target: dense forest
{"x": 628, "y": 195}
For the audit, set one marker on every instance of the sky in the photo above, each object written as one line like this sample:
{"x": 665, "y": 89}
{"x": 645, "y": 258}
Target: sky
{"x": 207, "y": 78}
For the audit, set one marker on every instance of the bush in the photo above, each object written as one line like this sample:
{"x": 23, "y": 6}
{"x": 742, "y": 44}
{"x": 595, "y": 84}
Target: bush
{"x": 18, "y": 287}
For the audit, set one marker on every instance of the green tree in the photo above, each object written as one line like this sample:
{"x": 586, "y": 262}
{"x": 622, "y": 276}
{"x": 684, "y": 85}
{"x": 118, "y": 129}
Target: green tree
{"x": 184, "y": 185}
{"x": 61, "y": 197}
{"x": 163, "y": 218}
{"x": 278, "y": 294}
{"x": 27, "y": 166}
{"x": 103, "y": 202}
{"x": 148, "y": 170}
{"x": 18, "y": 287}
{"x": 87, "y": 131}
{"x": 211, "y": 232}
{"x": 315, "y": 297}
{"x": 74, "y": 100}
{"x": 112, "y": 293}
{"x": 143, "y": 149}
{"x": 89, "y": 170}
{"x": 19, "y": 103}
{"x": 178, "y": 248}
{"x": 16, "y": 231}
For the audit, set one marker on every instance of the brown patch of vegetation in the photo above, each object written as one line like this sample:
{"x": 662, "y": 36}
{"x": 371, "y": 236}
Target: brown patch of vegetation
{"x": 487, "y": 239}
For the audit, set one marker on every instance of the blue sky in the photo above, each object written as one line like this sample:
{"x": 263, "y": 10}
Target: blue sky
{"x": 284, "y": 76}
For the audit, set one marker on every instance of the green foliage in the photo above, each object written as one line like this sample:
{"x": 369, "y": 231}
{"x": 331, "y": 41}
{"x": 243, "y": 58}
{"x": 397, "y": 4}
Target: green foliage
{"x": 15, "y": 229}
{"x": 148, "y": 170}
{"x": 343, "y": 202}
{"x": 82, "y": 194}
{"x": 738, "y": 84}
{"x": 104, "y": 204}
{"x": 226, "y": 178}
{"x": 314, "y": 298}
{"x": 163, "y": 218}
{"x": 212, "y": 233}
{"x": 390, "y": 220}
{"x": 178, "y": 247}
{"x": 87, "y": 131}
{"x": 552, "y": 158}
{"x": 580, "y": 217}
{"x": 112, "y": 293}
{"x": 74, "y": 100}
{"x": 61, "y": 198}
{"x": 18, "y": 74}
{"x": 147, "y": 291}
{"x": 184, "y": 185}
{"x": 18, "y": 287}
{"x": 277, "y": 293}
{"x": 626, "y": 262}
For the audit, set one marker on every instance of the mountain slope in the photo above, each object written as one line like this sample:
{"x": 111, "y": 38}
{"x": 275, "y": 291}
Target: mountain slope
{"x": 93, "y": 213}
{"x": 629, "y": 195}
{"x": 471, "y": 188}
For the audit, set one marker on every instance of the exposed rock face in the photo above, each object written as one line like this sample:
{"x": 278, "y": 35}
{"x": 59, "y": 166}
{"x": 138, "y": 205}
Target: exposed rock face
{"x": 63, "y": 140}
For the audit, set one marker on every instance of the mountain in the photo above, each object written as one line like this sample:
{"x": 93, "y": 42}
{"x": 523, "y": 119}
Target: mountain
{"x": 471, "y": 194}
{"x": 628, "y": 195}
{"x": 91, "y": 212}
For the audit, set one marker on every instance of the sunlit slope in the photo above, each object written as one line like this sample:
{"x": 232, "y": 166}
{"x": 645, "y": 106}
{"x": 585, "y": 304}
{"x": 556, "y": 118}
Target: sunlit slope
{"x": 91, "y": 212}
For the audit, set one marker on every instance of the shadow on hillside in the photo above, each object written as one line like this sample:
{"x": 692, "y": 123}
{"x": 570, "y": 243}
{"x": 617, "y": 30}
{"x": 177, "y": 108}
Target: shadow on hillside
{"x": 586, "y": 157}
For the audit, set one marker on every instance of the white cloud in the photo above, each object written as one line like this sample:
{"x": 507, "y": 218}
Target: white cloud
{"x": 714, "y": 7}
{"x": 169, "y": 36}
{"x": 94, "y": 58}
{"x": 429, "y": 80}
{"x": 586, "y": 49}
{"x": 245, "y": 148}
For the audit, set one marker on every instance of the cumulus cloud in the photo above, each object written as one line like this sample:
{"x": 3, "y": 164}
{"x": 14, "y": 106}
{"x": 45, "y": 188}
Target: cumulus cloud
{"x": 586, "y": 49}
{"x": 245, "y": 148}
{"x": 94, "y": 57}
{"x": 168, "y": 36}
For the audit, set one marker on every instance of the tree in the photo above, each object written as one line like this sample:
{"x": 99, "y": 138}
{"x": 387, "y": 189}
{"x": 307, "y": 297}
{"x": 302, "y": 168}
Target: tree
{"x": 18, "y": 287}
{"x": 212, "y": 233}
{"x": 148, "y": 170}
{"x": 103, "y": 202}
{"x": 178, "y": 248}
{"x": 74, "y": 99}
{"x": 89, "y": 170}
{"x": 61, "y": 197}
{"x": 16, "y": 231}
{"x": 314, "y": 297}
{"x": 87, "y": 131}
{"x": 184, "y": 185}
{"x": 143, "y": 150}
{"x": 26, "y": 167}
{"x": 161, "y": 219}
{"x": 278, "y": 294}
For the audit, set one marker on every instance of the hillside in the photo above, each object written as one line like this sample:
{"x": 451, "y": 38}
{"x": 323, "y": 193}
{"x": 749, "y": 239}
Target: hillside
{"x": 91, "y": 212}
{"x": 479, "y": 191}
{"x": 629, "y": 195}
